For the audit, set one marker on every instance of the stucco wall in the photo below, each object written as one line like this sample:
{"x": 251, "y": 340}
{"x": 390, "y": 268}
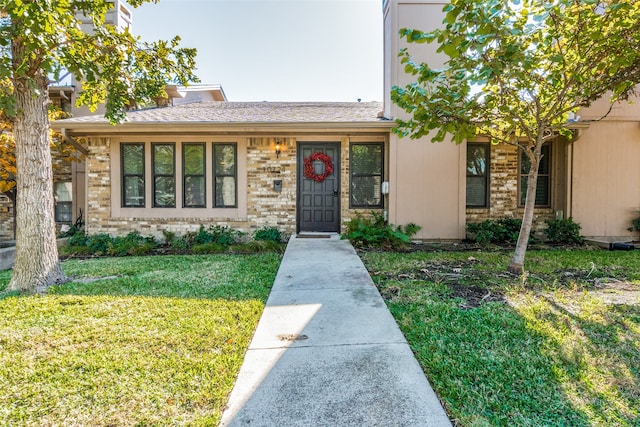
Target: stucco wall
{"x": 606, "y": 178}
{"x": 427, "y": 180}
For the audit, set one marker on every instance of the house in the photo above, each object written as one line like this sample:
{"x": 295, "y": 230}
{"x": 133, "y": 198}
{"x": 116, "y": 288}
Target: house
{"x": 313, "y": 166}
{"x": 240, "y": 164}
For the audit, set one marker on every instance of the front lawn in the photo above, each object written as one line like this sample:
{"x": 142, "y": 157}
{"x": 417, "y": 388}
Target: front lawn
{"x": 558, "y": 347}
{"x": 133, "y": 341}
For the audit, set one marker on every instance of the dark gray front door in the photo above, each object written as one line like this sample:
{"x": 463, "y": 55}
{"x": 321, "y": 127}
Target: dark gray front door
{"x": 319, "y": 201}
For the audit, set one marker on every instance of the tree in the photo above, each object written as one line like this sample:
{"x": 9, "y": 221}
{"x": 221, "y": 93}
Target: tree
{"x": 60, "y": 150}
{"x": 515, "y": 70}
{"x": 40, "y": 38}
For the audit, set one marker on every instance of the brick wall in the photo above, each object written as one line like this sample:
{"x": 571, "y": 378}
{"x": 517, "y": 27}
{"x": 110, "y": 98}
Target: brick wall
{"x": 265, "y": 206}
{"x": 6, "y": 218}
{"x": 61, "y": 172}
{"x": 503, "y": 195}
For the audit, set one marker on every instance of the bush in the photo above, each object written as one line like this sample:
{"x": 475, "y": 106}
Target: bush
{"x": 498, "y": 231}
{"x": 375, "y": 232}
{"x": 77, "y": 239}
{"x": 208, "y": 248}
{"x": 76, "y": 228}
{"x": 635, "y": 224}
{"x": 258, "y": 246}
{"x": 564, "y": 231}
{"x": 131, "y": 244}
{"x": 220, "y": 234}
{"x": 99, "y": 244}
{"x": 271, "y": 234}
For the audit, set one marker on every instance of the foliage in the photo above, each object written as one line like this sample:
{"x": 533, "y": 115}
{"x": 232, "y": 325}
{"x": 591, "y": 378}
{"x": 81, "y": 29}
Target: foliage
{"x": 53, "y": 43}
{"x": 258, "y": 246}
{"x": 103, "y": 244}
{"x": 44, "y": 39}
{"x": 131, "y": 244}
{"x": 515, "y": 70}
{"x": 268, "y": 233}
{"x": 635, "y": 224}
{"x": 99, "y": 243}
{"x": 208, "y": 248}
{"x": 210, "y": 240}
{"x": 148, "y": 341}
{"x": 498, "y": 231}
{"x": 373, "y": 231}
{"x": 564, "y": 231}
{"x": 60, "y": 149}
{"x": 76, "y": 228}
{"x": 558, "y": 354}
{"x": 220, "y": 234}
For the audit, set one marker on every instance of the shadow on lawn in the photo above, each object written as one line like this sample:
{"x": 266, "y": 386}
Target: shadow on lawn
{"x": 606, "y": 354}
{"x": 495, "y": 364}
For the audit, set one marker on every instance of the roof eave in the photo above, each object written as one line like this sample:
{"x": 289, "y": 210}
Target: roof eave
{"x": 103, "y": 128}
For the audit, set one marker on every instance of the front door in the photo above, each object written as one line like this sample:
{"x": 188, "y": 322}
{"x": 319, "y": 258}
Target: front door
{"x": 319, "y": 186}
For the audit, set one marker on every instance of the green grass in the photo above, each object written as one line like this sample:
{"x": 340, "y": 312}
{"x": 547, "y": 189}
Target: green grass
{"x": 547, "y": 349}
{"x": 157, "y": 341}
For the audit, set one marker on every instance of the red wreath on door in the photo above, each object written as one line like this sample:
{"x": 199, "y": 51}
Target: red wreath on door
{"x": 308, "y": 166}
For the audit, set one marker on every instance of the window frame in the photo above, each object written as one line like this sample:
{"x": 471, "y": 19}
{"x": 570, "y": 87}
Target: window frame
{"x": 353, "y": 174}
{"x": 523, "y": 177}
{"x": 203, "y": 175}
{"x": 124, "y": 175}
{"x": 216, "y": 175}
{"x": 154, "y": 175}
{"x": 487, "y": 175}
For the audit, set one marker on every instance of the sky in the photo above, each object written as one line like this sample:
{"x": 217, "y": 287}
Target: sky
{"x": 277, "y": 50}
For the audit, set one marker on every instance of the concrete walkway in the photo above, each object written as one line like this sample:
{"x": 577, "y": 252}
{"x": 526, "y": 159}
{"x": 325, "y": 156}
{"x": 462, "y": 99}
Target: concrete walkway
{"x": 327, "y": 352}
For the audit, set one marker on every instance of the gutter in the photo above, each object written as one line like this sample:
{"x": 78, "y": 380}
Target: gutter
{"x": 191, "y": 127}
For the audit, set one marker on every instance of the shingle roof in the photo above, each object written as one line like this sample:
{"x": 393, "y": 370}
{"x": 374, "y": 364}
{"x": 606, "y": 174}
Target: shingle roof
{"x": 249, "y": 112}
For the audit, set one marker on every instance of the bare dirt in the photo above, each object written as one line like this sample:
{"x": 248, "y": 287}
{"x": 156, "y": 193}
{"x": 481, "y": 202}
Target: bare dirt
{"x": 475, "y": 286}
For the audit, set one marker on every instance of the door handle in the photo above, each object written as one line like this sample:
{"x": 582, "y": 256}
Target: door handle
{"x": 335, "y": 193}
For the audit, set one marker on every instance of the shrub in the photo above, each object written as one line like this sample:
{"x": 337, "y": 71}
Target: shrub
{"x": 77, "y": 239}
{"x": 375, "y": 232}
{"x": 258, "y": 246}
{"x": 76, "y": 228}
{"x": 564, "y": 231}
{"x": 98, "y": 244}
{"x": 268, "y": 233}
{"x": 131, "y": 244}
{"x": 220, "y": 234}
{"x": 208, "y": 248}
{"x": 498, "y": 231}
{"x": 635, "y": 224}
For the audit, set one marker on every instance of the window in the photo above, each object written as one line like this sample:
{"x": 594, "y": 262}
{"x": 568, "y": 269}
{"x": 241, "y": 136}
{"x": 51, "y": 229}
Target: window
{"x": 224, "y": 176}
{"x": 543, "y": 190}
{"x": 132, "y": 175}
{"x": 63, "y": 199}
{"x": 366, "y": 166}
{"x": 164, "y": 178}
{"x": 477, "y": 175}
{"x": 193, "y": 179}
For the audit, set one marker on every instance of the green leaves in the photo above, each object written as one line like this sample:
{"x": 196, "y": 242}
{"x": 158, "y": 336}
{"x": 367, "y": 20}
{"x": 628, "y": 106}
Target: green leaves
{"x": 116, "y": 67}
{"x": 516, "y": 68}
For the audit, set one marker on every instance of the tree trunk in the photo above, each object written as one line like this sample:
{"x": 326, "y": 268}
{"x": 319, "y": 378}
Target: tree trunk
{"x": 36, "y": 265}
{"x": 516, "y": 265}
